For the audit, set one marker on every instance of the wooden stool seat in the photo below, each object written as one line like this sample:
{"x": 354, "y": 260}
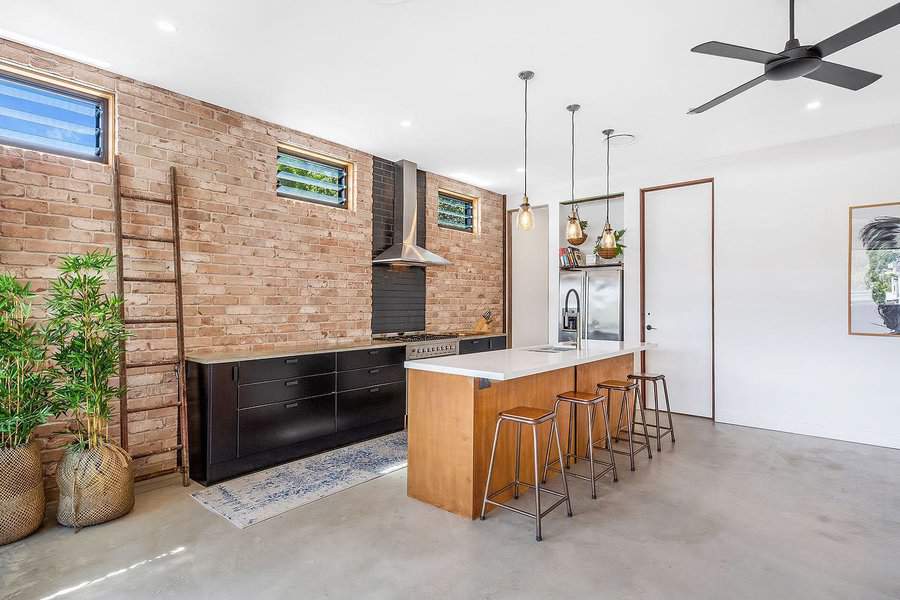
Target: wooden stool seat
{"x": 647, "y": 376}
{"x": 528, "y": 415}
{"x": 617, "y": 384}
{"x": 581, "y": 397}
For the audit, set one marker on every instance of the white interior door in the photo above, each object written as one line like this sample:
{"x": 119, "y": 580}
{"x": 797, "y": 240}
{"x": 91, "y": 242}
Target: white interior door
{"x": 678, "y": 288}
{"x": 529, "y": 277}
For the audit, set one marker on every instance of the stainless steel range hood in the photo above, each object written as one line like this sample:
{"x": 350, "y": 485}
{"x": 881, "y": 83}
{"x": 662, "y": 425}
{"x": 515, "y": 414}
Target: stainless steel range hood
{"x": 406, "y": 252}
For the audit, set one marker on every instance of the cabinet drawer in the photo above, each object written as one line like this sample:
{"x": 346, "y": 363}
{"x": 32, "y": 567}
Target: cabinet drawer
{"x": 252, "y": 371}
{"x": 498, "y": 343}
{"x": 285, "y": 423}
{"x": 372, "y": 357}
{"x": 360, "y": 378}
{"x": 476, "y": 345}
{"x": 367, "y": 406}
{"x": 282, "y": 390}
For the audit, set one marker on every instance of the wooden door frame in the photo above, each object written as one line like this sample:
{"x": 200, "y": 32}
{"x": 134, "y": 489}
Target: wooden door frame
{"x": 712, "y": 273}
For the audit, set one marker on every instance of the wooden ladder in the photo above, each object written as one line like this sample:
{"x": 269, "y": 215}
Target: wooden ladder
{"x": 178, "y": 321}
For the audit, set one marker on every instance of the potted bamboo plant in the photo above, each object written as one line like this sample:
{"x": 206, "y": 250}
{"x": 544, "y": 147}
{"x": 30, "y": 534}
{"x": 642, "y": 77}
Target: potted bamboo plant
{"x": 26, "y": 401}
{"x": 95, "y": 476}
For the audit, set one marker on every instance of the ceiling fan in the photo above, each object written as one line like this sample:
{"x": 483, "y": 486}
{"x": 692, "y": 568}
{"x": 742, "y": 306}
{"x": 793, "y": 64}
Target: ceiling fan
{"x": 804, "y": 61}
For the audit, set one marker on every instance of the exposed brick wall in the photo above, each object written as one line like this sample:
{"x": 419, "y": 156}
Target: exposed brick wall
{"x": 260, "y": 271}
{"x": 458, "y": 294}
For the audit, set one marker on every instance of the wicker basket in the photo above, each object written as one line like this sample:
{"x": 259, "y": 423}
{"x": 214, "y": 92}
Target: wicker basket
{"x": 95, "y": 486}
{"x": 21, "y": 492}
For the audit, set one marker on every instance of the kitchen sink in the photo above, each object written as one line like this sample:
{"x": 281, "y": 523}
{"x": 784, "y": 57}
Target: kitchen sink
{"x": 552, "y": 349}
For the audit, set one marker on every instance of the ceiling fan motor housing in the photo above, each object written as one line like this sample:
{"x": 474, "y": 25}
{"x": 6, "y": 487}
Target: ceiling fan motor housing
{"x": 793, "y": 62}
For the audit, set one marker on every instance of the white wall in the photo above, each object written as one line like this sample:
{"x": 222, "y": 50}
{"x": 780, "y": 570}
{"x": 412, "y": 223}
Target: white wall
{"x": 529, "y": 279}
{"x": 784, "y": 360}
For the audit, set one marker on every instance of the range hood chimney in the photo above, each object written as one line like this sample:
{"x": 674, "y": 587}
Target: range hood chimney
{"x": 405, "y": 252}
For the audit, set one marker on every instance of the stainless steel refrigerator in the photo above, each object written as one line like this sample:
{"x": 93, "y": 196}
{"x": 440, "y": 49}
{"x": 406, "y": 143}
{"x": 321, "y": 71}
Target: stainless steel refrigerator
{"x": 600, "y": 290}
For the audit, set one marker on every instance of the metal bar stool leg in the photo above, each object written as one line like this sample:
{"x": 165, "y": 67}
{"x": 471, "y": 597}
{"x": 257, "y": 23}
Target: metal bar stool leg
{"x": 630, "y": 423}
{"x": 550, "y": 442}
{"x": 590, "y": 411}
{"x": 487, "y": 485}
{"x": 609, "y": 449}
{"x": 569, "y": 440}
{"x": 656, "y": 410}
{"x": 555, "y": 430}
{"x": 669, "y": 410}
{"x": 640, "y": 405}
{"x": 621, "y": 414}
{"x": 518, "y": 452}
{"x": 537, "y": 486}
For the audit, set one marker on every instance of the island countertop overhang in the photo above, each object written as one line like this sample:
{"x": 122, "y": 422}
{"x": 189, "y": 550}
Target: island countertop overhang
{"x": 503, "y": 365}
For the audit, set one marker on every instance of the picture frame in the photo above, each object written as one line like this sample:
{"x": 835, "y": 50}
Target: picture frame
{"x": 873, "y": 270}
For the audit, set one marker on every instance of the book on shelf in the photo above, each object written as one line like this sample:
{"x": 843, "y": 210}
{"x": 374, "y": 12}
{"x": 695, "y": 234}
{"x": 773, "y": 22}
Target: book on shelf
{"x": 571, "y": 257}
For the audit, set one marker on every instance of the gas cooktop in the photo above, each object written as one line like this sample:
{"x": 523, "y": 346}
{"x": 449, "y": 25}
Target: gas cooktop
{"x": 414, "y": 337}
{"x": 424, "y": 345}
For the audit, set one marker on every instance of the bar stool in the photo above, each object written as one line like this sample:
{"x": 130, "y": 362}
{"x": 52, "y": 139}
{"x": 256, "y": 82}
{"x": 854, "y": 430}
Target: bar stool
{"x": 661, "y": 432}
{"x": 526, "y": 415}
{"x": 592, "y": 402}
{"x": 626, "y": 387}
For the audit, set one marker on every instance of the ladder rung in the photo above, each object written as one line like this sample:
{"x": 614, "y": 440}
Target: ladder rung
{"x": 149, "y": 408}
{"x": 150, "y": 321}
{"x": 156, "y": 363}
{"x": 133, "y": 196}
{"x": 154, "y": 453}
{"x": 143, "y": 238}
{"x": 148, "y": 279}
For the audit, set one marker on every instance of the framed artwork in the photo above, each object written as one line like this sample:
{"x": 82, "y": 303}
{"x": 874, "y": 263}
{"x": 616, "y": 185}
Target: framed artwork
{"x": 873, "y": 293}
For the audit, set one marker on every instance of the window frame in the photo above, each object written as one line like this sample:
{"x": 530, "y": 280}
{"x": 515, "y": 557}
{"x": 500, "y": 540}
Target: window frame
{"x": 349, "y": 203}
{"x": 473, "y": 200}
{"x": 78, "y": 90}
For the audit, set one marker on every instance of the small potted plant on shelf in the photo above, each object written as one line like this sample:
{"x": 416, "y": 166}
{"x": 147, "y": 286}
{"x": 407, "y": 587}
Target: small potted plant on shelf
{"x": 26, "y": 401}
{"x": 95, "y": 476}
{"x": 609, "y": 253}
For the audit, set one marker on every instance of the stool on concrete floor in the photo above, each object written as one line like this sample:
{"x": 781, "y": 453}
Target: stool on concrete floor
{"x": 592, "y": 402}
{"x": 626, "y": 387}
{"x": 661, "y": 432}
{"x": 526, "y": 415}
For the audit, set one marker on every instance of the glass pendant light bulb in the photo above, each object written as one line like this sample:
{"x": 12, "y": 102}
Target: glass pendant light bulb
{"x": 525, "y": 220}
{"x": 608, "y": 239}
{"x": 573, "y": 229}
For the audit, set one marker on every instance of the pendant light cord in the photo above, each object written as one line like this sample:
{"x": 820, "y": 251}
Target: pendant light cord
{"x": 792, "y": 19}
{"x": 573, "y": 160}
{"x": 526, "y": 139}
{"x": 607, "y": 177}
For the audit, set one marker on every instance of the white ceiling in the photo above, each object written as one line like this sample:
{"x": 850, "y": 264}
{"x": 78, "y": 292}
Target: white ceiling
{"x": 352, "y": 70}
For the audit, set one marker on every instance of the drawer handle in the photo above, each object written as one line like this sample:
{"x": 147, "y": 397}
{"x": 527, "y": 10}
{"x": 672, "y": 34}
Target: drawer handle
{"x": 292, "y": 405}
{"x": 373, "y": 352}
{"x": 291, "y": 361}
{"x": 476, "y": 342}
{"x": 374, "y": 390}
{"x": 374, "y": 371}
{"x": 291, "y": 383}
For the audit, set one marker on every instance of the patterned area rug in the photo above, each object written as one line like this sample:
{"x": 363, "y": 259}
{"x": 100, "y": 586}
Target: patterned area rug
{"x": 259, "y": 496}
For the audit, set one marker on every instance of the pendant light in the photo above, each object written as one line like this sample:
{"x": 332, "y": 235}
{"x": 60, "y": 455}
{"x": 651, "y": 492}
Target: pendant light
{"x": 525, "y": 220}
{"x": 607, "y": 245}
{"x": 574, "y": 232}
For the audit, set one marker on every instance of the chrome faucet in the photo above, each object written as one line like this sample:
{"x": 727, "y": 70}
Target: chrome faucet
{"x": 569, "y": 316}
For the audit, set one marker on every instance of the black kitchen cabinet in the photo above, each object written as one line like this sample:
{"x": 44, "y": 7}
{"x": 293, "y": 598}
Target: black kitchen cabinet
{"x": 482, "y": 344}
{"x": 252, "y": 414}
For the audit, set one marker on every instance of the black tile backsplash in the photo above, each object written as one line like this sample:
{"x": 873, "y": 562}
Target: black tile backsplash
{"x": 398, "y": 294}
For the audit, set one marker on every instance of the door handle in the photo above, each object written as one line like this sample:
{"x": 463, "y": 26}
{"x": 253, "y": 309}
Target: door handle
{"x": 291, "y": 361}
{"x": 374, "y": 371}
{"x": 293, "y": 382}
{"x": 651, "y": 328}
{"x": 292, "y": 405}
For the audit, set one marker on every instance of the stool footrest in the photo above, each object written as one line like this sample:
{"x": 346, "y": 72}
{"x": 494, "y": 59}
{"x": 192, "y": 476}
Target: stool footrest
{"x": 608, "y": 467}
{"x": 525, "y": 513}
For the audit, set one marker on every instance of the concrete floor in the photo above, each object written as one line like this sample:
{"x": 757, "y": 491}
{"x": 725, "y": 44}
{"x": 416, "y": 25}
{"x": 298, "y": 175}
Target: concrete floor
{"x": 731, "y": 512}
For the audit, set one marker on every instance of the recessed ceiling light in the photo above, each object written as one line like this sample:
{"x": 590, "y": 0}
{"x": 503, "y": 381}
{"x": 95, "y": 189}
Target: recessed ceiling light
{"x": 406, "y": 123}
{"x": 814, "y": 105}
{"x": 165, "y": 26}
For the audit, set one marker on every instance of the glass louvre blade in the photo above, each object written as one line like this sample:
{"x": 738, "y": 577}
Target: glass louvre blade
{"x": 307, "y": 179}
{"x": 308, "y": 165}
{"x": 309, "y": 195}
{"x": 455, "y": 213}
{"x": 288, "y": 176}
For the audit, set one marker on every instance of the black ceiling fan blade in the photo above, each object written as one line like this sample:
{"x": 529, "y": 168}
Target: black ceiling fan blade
{"x": 843, "y": 76}
{"x": 731, "y": 51}
{"x": 727, "y": 95}
{"x": 866, "y": 28}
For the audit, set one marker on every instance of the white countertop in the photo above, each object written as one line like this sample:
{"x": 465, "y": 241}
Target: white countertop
{"x": 501, "y": 365}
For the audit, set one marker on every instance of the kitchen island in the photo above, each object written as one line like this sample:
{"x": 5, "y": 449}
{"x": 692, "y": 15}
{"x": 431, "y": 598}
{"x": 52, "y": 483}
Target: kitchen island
{"x": 452, "y": 406}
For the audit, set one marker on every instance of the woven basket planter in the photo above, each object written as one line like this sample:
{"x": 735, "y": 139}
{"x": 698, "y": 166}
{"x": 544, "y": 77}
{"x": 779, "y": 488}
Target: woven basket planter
{"x": 95, "y": 486}
{"x": 21, "y": 492}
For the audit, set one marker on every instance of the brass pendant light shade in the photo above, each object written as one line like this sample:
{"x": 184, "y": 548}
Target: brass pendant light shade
{"x": 606, "y": 246}
{"x": 525, "y": 220}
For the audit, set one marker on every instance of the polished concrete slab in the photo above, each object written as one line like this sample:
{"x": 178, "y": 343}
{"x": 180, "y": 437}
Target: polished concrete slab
{"x": 730, "y": 512}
